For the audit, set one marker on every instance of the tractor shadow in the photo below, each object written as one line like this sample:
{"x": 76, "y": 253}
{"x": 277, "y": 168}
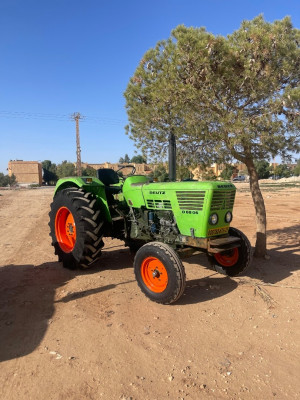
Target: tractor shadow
{"x": 206, "y": 289}
{"x": 28, "y": 296}
{"x": 112, "y": 258}
{"x": 26, "y": 305}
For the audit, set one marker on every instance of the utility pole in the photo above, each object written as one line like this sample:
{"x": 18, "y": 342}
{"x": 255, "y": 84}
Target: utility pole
{"x": 76, "y": 116}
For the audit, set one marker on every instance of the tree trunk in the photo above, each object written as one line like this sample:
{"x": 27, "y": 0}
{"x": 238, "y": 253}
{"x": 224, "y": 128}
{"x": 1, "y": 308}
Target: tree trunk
{"x": 260, "y": 211}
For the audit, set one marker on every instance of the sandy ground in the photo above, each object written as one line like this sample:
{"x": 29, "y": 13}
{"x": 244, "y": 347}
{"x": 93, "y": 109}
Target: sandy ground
{"x": 93, "y": 334}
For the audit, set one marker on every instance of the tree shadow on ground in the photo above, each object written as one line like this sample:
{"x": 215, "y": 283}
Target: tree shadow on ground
{"x": 284, "y": 252}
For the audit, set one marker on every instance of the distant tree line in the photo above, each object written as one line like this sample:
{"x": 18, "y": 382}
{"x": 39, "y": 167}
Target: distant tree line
{"x": 265, "y": 170}
{"x": 138, "y": 159}
{"x": 52, "y": 172}
{"x": 6, "y": 180}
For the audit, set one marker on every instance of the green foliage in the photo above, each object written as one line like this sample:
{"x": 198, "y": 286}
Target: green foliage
{"x": 183, "y": 173}
{"x": 89, "y": 171}
{"x": 282, "y": 171}
{"x": 227, "y": 172}
{"x": 6, "y": 180}
{"x": 49, "y": 172}
{"x": 209, "y": 176}
{"x": 160, "y": 173}
{"x": 138, "y": 159}
{"x": 125, "y": 160}
{"x": 220, "y": 96}
{"x": 297, "y": 169}
{"x": 262, "y": 169}
{"x": 65, "y": 169}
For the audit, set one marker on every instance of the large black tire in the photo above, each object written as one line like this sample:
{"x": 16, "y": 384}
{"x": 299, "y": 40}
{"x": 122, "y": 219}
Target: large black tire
{"x": 159, "y": 272}
{"x": 235, "y": 261}
{"x": 76, "y": 228}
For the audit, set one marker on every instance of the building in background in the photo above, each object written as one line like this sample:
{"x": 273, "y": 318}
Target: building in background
{"x": 26, "y": 172}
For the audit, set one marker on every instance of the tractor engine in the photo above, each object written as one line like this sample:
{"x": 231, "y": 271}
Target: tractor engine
{"x": 152, "y": 225}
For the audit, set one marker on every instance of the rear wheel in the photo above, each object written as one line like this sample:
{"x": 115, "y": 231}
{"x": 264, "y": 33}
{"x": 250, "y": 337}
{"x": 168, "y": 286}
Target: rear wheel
{"x": 76, "y": 228}
{"x": 235, "y": 261}
{"x": 159, "y": 272}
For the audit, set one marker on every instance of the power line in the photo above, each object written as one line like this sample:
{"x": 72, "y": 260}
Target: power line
{"x": 60, "y": 117}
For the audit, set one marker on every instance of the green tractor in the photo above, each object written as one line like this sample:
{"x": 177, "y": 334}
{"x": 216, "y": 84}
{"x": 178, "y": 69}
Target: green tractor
{"x": 161, "y": 222}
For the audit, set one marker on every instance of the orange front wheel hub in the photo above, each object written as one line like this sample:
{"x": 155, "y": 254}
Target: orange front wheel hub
{"x": 65, "y": 229}
{"x": 229, "y": 258}
{"x": 154, "y": 274}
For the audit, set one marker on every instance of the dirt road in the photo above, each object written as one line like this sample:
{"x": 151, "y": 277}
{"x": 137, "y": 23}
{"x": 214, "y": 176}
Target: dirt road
{"x": 93, "y": 334}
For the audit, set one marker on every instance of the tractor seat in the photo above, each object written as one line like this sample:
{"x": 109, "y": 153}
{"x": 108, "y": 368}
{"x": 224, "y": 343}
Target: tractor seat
{"x": 109, "y": 177}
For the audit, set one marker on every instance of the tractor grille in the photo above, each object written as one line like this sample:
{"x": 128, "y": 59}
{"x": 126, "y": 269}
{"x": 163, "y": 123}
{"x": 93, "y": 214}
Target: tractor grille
{"x": 159, "y": 204}
{"x": 222, "y": 200}
{"x": 191, "y": 200}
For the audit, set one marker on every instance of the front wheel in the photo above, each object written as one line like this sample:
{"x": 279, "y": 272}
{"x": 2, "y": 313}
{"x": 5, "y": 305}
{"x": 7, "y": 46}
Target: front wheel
{"x": 235, "y": 261}
{"x": 159, "y": 272}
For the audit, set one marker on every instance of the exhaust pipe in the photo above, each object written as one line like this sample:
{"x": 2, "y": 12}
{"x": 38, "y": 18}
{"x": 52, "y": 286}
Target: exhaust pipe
{"x": 172, "y": 158}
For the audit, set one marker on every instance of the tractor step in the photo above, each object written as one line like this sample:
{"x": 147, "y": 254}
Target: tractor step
{"x": 222, "y": 244}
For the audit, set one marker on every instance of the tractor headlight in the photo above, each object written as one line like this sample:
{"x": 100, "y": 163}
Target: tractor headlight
{"x": 228, "y": 217}
{"x": 213, "y": 219}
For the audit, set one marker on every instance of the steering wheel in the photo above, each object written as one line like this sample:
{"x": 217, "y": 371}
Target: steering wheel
{"x": 126, "y": 166}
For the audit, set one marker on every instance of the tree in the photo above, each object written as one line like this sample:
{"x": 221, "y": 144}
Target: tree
{"x": 183, "y": 173}
{"x": 160, "y": 173}
{"x": 66, "y": 168}
{"x": 49, "y": 172}
{"x": 6, "y": 180}
{"x": 262, "y": 168}
{"x": 297, "y": 169}
{"x": 282, "y": 171}
{"x": 222, "y": 97}
{"x": 227, "y": 172}
{"x": 209, "y": 176}
{"x": 125, "y": 160}
{"x": 89, "y": 171}
{"x": 138, "y": 159}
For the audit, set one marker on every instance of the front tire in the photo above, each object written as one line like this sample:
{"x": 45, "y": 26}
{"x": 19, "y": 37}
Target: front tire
{"x": 76, "y": 228}
{"x": 235, "y": 261}
{"x": 159, "y": 272}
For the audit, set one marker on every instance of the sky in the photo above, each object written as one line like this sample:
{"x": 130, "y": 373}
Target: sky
{"x": 64, "y": 56}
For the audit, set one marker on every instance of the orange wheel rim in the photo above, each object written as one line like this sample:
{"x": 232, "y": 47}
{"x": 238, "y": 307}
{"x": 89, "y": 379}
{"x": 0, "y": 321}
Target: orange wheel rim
{"x": 154, "y": 274}
{"x": 229, "y": 258}
{"x": 65, "y": 229}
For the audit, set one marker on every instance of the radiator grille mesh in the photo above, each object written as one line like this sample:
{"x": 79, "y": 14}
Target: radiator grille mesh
{"x": 190, "y": 200}
{"x": 222, "y": 200}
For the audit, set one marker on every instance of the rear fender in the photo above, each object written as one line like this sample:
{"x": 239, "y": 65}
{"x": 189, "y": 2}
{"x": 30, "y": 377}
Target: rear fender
{"x": 88, "y": 184}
